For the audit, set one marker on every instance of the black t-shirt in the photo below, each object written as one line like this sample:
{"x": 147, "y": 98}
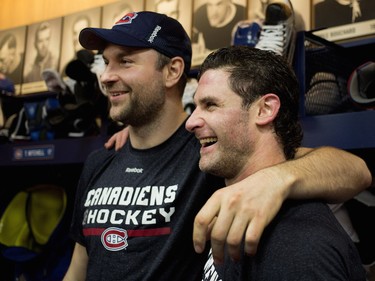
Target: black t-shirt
{"x": 135, "y": 209}
{"x": 304, "y": 242}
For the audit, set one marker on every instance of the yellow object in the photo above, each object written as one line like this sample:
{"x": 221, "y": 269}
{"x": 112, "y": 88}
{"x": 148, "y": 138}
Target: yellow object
{"x": 31, "y": 217}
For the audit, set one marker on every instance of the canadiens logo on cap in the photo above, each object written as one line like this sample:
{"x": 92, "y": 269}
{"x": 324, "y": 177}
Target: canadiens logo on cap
{"x": 127, "y": 19}
{"x": 114, "y": 239}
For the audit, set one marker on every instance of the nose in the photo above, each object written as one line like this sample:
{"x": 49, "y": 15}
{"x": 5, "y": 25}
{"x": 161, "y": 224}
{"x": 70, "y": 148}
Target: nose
{"x": 194, "y": 121}
{"x": 109, "y": 75}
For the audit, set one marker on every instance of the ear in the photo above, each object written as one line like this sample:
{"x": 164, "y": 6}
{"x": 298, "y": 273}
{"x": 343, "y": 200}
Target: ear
{"x": 173, "y": 71}
{"x": 267, "y": 108}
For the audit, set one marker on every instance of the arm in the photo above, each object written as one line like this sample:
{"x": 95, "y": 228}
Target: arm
{"x": 248, "y": 206}
{"x": 78, "y": 265}
{"x": 328, "y": 173}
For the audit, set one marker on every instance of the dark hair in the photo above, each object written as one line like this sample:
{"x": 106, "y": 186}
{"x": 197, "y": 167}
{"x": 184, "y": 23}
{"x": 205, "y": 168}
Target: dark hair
{"x": 254, "y": 73}
{"x": 9, "y": 40}
{"x": 43, "y": 26}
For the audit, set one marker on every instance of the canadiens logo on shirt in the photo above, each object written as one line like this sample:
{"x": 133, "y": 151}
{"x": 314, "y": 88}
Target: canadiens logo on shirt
{"x": 114, "y": 239}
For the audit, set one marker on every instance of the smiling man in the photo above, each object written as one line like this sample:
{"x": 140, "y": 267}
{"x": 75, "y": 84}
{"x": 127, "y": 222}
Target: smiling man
{"x": 246, "y": 124}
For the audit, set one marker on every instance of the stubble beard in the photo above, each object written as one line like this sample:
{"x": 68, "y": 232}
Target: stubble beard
{"x": 139, "y": 110}
{"x": 226, "y": 162}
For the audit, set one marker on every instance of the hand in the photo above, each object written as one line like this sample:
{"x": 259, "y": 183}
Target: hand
{"x": 242, "y": 209}
{"x": 118, "y": 139}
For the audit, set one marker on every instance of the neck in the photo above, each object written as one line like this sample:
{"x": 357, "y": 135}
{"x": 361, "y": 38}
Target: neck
{"x": 158, "y": 130}
{"x": 266, "y": 154}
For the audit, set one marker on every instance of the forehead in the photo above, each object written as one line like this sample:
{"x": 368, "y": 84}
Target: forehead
{"x": 213, "y": 76}
{"x": 213, "y": 87}
{"x": 116, "y": 50}
{"x": 213, "y": 82}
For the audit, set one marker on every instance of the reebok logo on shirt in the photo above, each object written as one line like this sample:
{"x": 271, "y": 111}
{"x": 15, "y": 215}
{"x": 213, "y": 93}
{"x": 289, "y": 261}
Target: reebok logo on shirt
{"x": 134, "y": 170}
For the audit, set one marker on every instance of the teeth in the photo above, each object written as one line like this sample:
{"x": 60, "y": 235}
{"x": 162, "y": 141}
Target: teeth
{"x": 208, "y": 140}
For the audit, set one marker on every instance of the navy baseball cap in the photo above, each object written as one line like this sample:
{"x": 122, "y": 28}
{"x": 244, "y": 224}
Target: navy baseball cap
{"x": 144, "y": 30}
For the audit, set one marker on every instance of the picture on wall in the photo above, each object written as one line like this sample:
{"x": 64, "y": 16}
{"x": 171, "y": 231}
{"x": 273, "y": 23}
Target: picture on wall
{"x": 12, "y": 51}
{"x": 178, "y": 9}
{"x": 301, "y": 8}
{"x": 113, "y": 12}
{"x": 337, "y": 20}
{"x": 43, "y": 52}
{"x": 345, "y": 12}
{"x": 213, "y": 25}
{"x": 72, "y": 26}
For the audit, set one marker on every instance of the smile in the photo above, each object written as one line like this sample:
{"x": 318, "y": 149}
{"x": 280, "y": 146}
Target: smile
{"x": 208, "y": 141}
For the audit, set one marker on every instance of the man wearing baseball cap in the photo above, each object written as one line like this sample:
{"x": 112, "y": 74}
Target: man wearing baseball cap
{"x": 135, "y": 208}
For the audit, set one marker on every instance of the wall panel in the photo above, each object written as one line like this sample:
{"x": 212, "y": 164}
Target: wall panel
{"x": 14, "y": 13}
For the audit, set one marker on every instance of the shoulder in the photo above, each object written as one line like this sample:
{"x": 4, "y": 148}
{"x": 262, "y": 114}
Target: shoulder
{"x": 304, "y": 226}
{"x": 310, "y": 237}
{"x": 100, "y": 154}
{"x": 308, "y": 225}
{"x": 98, "y": 157}
{"x": 94, "y": 164}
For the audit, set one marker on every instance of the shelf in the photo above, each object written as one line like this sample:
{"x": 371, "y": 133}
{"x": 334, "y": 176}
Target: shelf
{"x": 359, "y": 42}
{"x": 347, "y": 130}
{"x": 350, "y": 130}
{"x": 58, "y": 151}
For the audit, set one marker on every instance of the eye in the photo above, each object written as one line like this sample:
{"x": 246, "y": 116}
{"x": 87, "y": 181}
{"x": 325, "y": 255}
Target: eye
{"x": 210, "y": 105}
{"x": 125, "y": 61}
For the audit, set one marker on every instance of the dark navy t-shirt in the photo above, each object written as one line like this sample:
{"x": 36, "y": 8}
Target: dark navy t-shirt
{"x": 135, "y": 209}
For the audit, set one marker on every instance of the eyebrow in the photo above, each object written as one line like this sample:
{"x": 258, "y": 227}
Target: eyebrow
{"x": 207, "y": 99}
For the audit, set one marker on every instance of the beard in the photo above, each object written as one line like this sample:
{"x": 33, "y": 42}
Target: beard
{"x": 225, "y": 163}
{"x": 141, "y": 107}
{"x": 231, "y": 153}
